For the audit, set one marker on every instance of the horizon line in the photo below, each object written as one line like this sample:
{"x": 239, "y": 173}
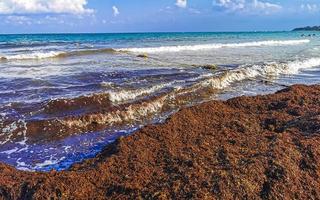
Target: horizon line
{"x": 139, "y": 32}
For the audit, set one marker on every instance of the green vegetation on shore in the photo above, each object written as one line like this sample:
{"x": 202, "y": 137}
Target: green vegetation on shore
{"x": 308, "y": 28}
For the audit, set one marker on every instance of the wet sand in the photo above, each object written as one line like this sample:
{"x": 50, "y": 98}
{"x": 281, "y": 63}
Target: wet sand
{"x": 263, "y": 147}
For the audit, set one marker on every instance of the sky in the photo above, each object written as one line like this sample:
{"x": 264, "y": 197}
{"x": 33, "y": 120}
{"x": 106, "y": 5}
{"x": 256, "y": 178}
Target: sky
{"x": 91, "y": 16}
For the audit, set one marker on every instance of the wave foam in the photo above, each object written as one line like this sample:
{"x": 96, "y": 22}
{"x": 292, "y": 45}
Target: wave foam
{"x": 62, "y": 54}
{"x": 126, "y": 95}
{"x": 265, "y": 70}
{"x": 57, "y": 54}
{"x": 133, "y": 113}
{"x": 30, "y": 56}
{"x": 214, "y": 46}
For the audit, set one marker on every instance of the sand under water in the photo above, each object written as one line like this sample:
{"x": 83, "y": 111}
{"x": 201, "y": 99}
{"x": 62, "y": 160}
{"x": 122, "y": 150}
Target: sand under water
{"x": 262, "y": 147}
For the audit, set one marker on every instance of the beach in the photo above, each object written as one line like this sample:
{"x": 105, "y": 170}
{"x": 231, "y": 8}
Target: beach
{"x": 228, "y": 115}
{"x": 258, "y": 147}
{"x": 64, "y": 97}
{"x": 179, "y": 99}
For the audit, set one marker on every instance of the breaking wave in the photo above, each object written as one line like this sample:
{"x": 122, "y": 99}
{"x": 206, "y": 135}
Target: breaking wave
{"x": 126, "y": 95}
{"x": 62, "y": 54}
{"x": 214, "y": 46}
{"x": 263, "y": 70}
{"x": 88, "y": 52}
{"x": 31, "y": 56}
{"x": 58, "y": 54}
{"x": 132, "y": 113}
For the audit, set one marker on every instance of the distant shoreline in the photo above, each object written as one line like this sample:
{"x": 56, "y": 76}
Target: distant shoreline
{"x": 308, "y": 28}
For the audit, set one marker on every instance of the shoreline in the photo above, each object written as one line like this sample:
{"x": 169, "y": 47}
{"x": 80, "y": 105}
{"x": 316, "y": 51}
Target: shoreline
{"x": 264, "y": 147}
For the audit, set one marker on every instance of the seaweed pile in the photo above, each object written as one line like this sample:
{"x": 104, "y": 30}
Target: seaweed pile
{"x": 263, "y": 147}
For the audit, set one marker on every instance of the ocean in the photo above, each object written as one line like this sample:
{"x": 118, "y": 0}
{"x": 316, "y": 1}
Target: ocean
{"x": 64, "y": 97}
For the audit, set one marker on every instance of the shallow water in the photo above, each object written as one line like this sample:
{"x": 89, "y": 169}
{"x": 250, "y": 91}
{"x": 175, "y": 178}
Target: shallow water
{"x": 63, "y": 97}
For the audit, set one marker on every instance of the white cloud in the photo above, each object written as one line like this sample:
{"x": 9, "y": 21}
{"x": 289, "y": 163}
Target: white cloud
{"x": 181, "y": 3}
{"x": 231, "y": 4}
{"x": 310, "y": 7}
{"x": 194, "y": 11}
{"x": 265, "y": 5}
{"x": 19, "y": 20}
{"x": 115, "y": 11}
{"x": 44, "y": 6}
{"x": 65, "y": 19}
{"x": 250, "y": 6}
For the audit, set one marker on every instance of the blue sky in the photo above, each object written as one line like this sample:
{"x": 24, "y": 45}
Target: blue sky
{"x": 52, "y": 16}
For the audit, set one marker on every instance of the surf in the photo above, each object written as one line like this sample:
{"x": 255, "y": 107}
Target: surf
{"x": 264, "y": 70}
{"x": 198, "y": 47}
{"x": 58, "y": 54}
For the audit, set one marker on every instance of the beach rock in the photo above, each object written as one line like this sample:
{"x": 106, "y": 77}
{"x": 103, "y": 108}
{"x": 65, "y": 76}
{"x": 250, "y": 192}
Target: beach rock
{"x": 207, "y": 66}
{"x": 143, "y": 56}
{"x": 242, "y": 148}
{"x": 210, "y": 67}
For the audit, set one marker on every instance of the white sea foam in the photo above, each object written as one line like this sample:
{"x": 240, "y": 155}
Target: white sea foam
{"x": 214, "y": 46}
{"x": 133, "y": 113}
{"x": 14, "y": 132}
{"x": 53, "y": 54}
{"x": 125, "y": 95}
{"x": 32, "y": 56}
{"x": 21, "y": 165}
{"x": 50, "y": 162}
{"x": 106, "y": 84}
{"x": 264, "y": 70}
{"x": 11, "y": 151}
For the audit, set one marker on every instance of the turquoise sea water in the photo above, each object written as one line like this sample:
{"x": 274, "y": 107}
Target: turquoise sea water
{"x": 37, "y": 71}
